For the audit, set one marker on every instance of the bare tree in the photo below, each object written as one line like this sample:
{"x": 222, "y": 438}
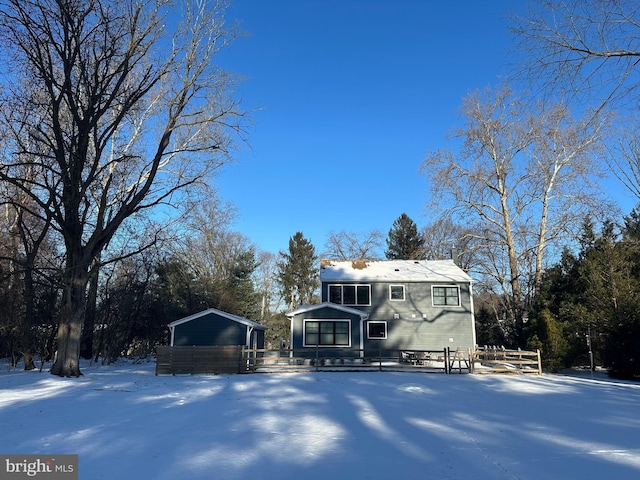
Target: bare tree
{"x": 588, "y": 51}
{"x": 444, "y": 238}
{"x": 589, "y": 48}
{"x": 623, "y": 154}
{"x": 30, "y": 252}
{"x": 520, "y": 181}
{"x": 209, "y": 246}
{"x": 267, "y": 286}
{"x": 118, "y": 114}
{"x": 345, "y": 245}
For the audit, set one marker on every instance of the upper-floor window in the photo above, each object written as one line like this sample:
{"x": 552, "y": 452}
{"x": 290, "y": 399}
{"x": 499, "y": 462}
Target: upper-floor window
{"x": 350, "y": 294}
{"x": 396, "y": 292}
{"x": 446, "y": 296}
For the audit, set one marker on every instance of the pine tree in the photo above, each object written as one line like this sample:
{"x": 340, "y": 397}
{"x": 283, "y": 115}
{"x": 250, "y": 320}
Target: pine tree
{"x": 298, "y": 272}
{"x": 621, "y": 350}
{"x": 404, "y": 242}
{"x": 595, "y": 293}
{"x": 246, "y": 300}
{"x": 550, "y": 338}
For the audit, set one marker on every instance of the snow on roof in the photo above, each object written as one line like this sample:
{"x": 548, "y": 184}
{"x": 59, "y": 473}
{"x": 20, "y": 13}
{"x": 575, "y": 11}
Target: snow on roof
{"x": 393, "y": 271}
{"x": 230, "y": 316}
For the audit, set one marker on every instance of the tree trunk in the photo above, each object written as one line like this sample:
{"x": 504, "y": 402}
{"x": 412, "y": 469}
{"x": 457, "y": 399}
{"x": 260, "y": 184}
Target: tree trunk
{"x": 28, "y": 361}
{"x": 86, "y": 344}
{"x": 67, "y": 362}
{"x": 29, "y": 316}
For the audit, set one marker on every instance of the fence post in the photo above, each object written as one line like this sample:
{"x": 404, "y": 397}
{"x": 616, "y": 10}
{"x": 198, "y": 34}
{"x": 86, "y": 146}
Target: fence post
{"x": 447, "y": 367}
{"x": 539, "y": 363}
{"x": 317, "y": 359}
{"x": 379, "y": 358}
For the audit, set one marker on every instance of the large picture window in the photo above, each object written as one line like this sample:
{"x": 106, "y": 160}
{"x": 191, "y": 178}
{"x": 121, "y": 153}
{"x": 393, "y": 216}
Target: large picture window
{"x": 327, "y": 333}
{"x": 350, "y": 294}
{"x": 446, "y": 296}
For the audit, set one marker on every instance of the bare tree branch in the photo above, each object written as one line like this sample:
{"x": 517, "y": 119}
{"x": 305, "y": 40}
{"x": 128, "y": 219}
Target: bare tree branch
{"x": 118, "y": 111}
{"x": 521, "y": 182}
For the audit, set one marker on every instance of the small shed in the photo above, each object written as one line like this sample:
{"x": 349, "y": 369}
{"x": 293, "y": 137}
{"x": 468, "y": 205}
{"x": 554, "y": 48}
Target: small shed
{"x": 213, "y": 327}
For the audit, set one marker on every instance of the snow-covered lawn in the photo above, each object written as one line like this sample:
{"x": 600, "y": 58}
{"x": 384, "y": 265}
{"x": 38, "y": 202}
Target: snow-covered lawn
{"x": 126, "y": 423}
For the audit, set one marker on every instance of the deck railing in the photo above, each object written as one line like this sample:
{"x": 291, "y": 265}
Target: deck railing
{"x": 237, "y": 359}
{"x": 350, "y": 359}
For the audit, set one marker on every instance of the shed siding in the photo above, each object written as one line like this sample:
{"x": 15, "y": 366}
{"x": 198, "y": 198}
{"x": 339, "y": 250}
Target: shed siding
{"x": 210, "y": 329}
{"x": 259, "y": 335}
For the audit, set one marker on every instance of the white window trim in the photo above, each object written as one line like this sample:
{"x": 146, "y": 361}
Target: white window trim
{"x": 386, "y": 331}
{"x": 304, "y": 331}
{"x": 446, "y": 306}
{"x": 397, "y": 299}
{"x": 356, "y": 285}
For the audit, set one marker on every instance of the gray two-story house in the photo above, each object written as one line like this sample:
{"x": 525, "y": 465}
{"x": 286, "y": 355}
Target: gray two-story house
{"x": 389, "y": 306}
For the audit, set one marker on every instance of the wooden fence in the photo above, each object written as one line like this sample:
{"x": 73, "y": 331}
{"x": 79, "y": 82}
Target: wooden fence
{"x": 348, "y": 359}
{"x": 501, "y": 360}
{"x": 199, "y": 359}
{"x": 237, "y": 359}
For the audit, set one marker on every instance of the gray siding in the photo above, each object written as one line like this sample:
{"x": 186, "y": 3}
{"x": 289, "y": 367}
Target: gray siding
{"x": 327, "y": 313}
{"x": 415, "y": 323}
{"x": 210, "y": 329}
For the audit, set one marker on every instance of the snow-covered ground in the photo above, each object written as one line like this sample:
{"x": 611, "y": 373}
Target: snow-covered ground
{"x": 126, "y": 423}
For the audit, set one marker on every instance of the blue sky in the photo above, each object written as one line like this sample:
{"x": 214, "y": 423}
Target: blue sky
{"x": 351, "y": 94}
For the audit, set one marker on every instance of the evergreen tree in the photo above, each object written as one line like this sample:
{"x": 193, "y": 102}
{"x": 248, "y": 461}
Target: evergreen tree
{"x": 595, "y": 292}
{"x": 404, "y": 242}
{"x": 621, "y": 350}
{"x": 278, "y": 331}
{"x": 298, "y": 272}
{"x": 245, "y": 298}
{"x": 548, "y": 336}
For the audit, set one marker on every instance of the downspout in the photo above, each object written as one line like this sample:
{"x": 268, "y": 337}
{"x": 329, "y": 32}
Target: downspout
{"x": 473, "y": 316}
{"x": 362, "y": 320}
{"x": 361, "y": 337}
{"x": 248, "y": 339}
{"x": 173, "y": 333}
{"x": 290, "y": 336}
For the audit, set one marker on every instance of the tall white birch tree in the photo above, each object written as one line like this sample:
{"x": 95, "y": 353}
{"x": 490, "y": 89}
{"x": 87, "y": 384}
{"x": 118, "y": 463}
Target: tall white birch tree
{"x": 519, "y": 178}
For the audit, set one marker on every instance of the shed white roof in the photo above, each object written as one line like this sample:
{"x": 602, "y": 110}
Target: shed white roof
{"x": 393, "y": 271}
{"x": 230, "y": 316}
